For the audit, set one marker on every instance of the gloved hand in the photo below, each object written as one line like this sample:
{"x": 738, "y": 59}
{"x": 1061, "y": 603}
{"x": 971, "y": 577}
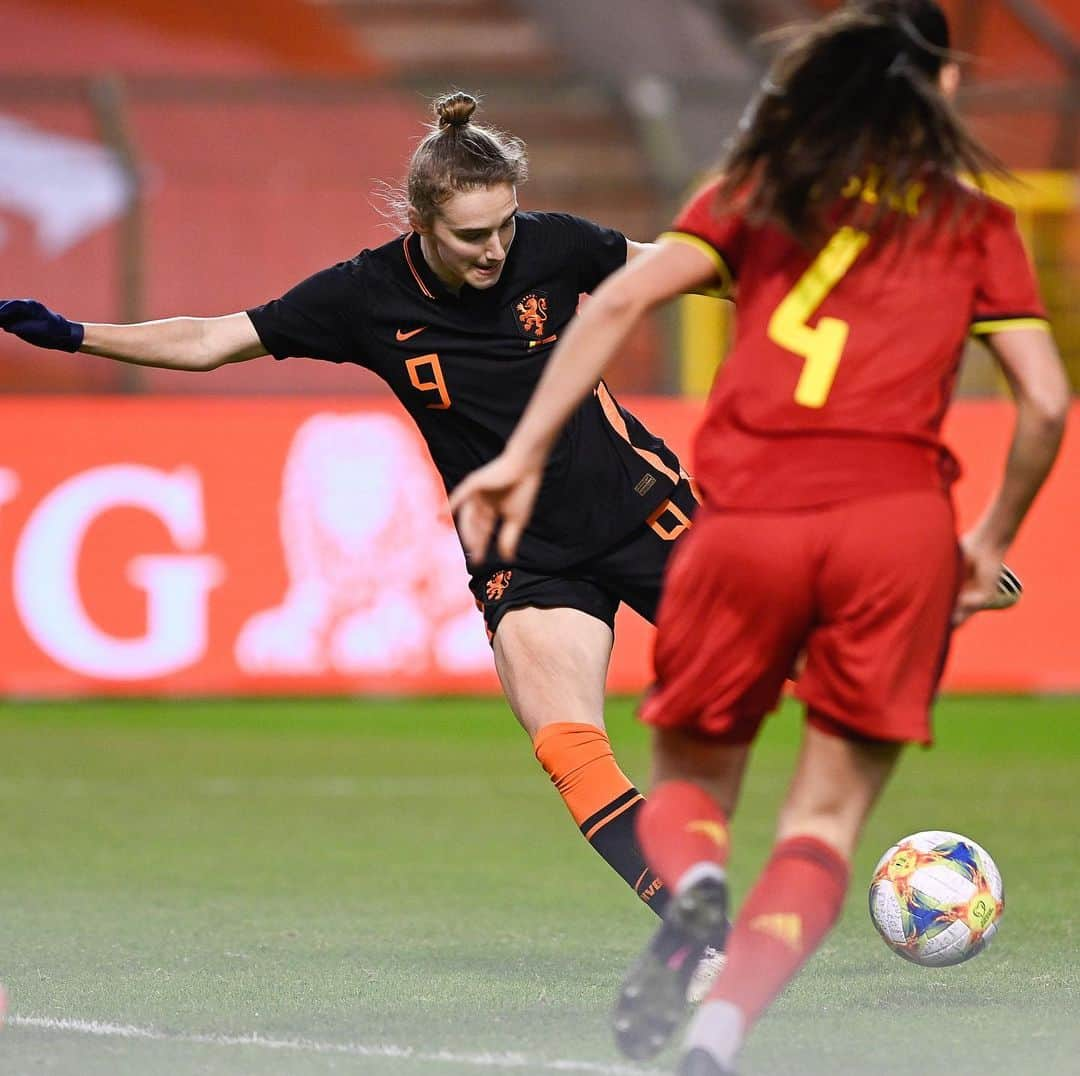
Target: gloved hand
{"x": 37, "y": 324}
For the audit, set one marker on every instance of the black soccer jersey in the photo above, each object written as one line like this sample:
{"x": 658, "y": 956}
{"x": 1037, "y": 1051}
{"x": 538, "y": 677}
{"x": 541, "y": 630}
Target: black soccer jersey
{"x": 465, "y": 365}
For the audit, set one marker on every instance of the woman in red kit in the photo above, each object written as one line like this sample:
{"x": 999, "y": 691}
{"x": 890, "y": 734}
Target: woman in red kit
{"x": 860, "y": 263}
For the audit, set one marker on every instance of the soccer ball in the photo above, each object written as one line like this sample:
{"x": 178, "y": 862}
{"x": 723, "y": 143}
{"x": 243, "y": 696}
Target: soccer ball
{"x": 936, "y": 898}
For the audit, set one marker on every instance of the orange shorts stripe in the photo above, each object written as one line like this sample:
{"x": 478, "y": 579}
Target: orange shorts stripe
{"x": 614, "y": 416}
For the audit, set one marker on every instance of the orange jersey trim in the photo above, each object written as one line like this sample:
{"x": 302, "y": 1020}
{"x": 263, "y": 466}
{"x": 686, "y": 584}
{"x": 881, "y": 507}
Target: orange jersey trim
{"x": 721, "y": 266}
{"x": 614, "y": 416}
{"x": 412, "y": 268}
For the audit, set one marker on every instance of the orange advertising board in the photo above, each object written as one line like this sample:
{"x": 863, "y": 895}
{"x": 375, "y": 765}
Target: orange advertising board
{"x": 187, "y": 546}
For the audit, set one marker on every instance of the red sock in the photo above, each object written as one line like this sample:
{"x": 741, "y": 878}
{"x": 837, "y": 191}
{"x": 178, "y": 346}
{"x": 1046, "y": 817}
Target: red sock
{"x": 785, "y": 917}
{"x": 679, "y": 827}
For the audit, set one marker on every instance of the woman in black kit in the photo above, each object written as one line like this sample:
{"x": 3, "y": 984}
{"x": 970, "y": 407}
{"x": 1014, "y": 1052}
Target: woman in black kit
{"x": 459, "y": 316}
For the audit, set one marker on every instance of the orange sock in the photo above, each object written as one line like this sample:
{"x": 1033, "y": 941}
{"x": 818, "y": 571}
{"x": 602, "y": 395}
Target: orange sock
{"x": 604, "y": 803}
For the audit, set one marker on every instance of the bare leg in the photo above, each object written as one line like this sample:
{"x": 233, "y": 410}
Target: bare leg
{"x": 836, "y": 784}
{"x": 717, "y": 768}
{"x": 553, "y": 667}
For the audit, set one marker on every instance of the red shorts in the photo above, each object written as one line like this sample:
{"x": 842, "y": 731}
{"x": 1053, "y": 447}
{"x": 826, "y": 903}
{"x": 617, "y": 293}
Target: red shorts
{"x": 866, "y": 588}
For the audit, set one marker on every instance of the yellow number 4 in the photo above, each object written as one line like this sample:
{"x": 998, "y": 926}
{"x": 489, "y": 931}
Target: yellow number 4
{"x": 821, "y": 345}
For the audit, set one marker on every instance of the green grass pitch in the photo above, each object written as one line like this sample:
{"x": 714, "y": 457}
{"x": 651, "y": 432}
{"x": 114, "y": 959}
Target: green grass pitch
{"x": 392, "y": 888}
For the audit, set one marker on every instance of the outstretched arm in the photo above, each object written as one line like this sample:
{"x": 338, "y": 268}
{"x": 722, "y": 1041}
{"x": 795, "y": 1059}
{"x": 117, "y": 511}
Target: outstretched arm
{"x": 506, "y": 488}
{"x": 172, "y": 344}
{"x": 1035, "y": 374}
{"x": 177, "y": 343}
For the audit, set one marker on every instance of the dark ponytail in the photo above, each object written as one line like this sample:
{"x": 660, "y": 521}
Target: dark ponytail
{"x": 855, "y": 95}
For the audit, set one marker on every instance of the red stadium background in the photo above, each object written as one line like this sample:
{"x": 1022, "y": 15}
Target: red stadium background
{"x": 216, "y": 546}
{"x": 162, "y": 159}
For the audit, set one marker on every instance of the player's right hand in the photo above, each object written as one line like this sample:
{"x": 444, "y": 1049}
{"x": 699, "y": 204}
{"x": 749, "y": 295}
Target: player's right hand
{"x": 496, "y": 500}
{"x": 980, "y": 589}
{"x": 37, "y": 324}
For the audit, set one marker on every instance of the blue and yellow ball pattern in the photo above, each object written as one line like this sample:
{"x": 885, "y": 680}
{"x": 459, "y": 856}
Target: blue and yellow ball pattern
{"x": 936, "y": 898}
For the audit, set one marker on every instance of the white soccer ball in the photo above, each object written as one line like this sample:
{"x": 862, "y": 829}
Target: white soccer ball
{"x": 936, "y": 898}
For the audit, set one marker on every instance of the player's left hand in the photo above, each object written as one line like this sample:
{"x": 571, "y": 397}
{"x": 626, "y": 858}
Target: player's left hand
{"x": 37, "y": 324}
{"x": 503, "y": 490}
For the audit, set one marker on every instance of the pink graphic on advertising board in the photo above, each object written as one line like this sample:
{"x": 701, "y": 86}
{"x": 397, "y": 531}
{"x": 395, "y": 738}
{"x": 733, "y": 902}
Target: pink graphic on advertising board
{"x": 377, "y": 583}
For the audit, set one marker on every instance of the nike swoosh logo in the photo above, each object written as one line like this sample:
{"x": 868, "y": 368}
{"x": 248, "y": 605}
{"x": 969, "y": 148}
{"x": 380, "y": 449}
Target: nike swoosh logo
{"x": 409, "y": 335}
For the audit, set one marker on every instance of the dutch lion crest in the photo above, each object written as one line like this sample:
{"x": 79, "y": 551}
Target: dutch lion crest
{"x": 532, "y": 313}
{"x": 497, "y": 584}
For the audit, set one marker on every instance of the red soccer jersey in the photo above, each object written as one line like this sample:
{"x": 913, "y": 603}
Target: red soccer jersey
{"x": 845, "y": 357}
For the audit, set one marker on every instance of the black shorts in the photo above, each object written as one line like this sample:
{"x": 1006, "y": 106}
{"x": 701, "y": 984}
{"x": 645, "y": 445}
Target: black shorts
{"x": 630, "y": 572}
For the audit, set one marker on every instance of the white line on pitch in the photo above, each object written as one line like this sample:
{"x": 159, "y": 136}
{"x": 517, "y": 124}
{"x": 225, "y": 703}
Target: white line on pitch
{"x": 351, "y": 1049}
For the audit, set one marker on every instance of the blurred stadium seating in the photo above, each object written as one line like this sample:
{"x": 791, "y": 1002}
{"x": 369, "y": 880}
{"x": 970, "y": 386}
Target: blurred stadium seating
{"x": 253, "y": 169}
{"x": 238, "y": 146}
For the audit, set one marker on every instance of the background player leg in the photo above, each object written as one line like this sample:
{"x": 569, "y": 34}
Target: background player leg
{"x": 717, "y": 769}
{"x": 798, "y": 895}
{"x": 553, "y": 666}
{"x": 683, "y": 831}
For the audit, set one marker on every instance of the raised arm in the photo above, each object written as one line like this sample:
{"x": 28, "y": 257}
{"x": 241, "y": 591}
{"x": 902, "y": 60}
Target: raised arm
{"x": 1033, "y": 368}
{"x": 172, "y": 344}
{"x": 506, "y": 488}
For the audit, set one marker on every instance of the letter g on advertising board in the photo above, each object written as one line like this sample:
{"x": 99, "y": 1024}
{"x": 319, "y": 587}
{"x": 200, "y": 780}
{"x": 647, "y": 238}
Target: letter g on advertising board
{"x": 46, "y": 587}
